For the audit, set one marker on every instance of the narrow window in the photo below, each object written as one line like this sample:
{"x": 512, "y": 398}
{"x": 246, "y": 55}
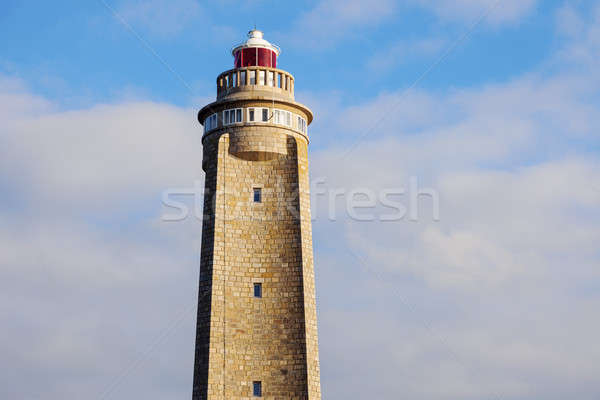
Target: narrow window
{"x": 257, "y": 195}
{"x": 301, "y": 124}
{"x": 258, "y": 290}
{"x": 243, "y": 78}
{"x": 288, "y": 119}
{"x": 265, "y": 114}
{"x": 238, "y": 115}
{"x": 261, "y": 77}
{"x": 253, "y": 77}
{"x": 257, "y": 388}
{"x": 234, "y": 80}
{"x": 279, "y": 81}
{"x": 251, "y": 114}
{"x": 271, "y": 78}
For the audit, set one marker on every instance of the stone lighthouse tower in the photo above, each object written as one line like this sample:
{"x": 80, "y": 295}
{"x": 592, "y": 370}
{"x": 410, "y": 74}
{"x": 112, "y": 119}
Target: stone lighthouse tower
{"x": 257, "y": 325}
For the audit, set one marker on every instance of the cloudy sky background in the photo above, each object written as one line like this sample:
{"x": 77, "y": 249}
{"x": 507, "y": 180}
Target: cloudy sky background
{"x": 496, "y": 300}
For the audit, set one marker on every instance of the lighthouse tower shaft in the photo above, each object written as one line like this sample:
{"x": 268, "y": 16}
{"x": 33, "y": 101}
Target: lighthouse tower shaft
{"x": 257, "y": 325}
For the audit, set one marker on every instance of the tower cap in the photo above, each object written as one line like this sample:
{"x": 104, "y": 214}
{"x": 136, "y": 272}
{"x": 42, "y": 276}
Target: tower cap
{"x": 255, "y": 39}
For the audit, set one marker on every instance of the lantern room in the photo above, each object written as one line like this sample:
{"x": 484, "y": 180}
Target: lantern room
{"x": 256, "y": 51}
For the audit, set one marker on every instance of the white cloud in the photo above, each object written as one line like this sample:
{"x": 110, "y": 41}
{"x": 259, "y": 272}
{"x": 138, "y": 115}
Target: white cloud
{"x": 497, "y": 12}
{"x": 493, "y": 301}
{"x": 402, "y": 51}
{"x": 162, "y": 17}
{"x": 332, "y": 20}
{"x": 98, "y": 154}
{"x": 17, "y": 101}
{"x": 476, "y": 148}
{"x": 568, "y": 21}
{"x": 89, "y": 277}
{"x": 583, "y": 32}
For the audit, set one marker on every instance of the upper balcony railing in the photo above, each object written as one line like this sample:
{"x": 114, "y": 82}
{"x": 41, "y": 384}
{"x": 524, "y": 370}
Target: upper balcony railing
{"x": 255, "y": 78}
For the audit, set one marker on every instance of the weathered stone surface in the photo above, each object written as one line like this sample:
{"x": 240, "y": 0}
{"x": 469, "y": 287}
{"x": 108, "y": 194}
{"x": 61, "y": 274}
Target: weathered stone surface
{"x": 240, "y": 338}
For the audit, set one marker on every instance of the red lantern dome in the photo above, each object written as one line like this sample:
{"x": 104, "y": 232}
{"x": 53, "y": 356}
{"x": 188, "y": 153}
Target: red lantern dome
{"x": 256, "y": 51}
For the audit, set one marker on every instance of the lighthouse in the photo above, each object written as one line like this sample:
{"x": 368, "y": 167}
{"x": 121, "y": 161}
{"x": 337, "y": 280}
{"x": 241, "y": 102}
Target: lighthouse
{"x": 256, "y": 330}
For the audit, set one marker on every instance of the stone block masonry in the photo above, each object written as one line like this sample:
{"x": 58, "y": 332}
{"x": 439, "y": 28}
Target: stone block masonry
{"x": 242, "y": 339}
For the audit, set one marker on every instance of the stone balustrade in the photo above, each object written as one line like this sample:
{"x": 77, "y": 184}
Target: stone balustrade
{"x": 254, "y": 78}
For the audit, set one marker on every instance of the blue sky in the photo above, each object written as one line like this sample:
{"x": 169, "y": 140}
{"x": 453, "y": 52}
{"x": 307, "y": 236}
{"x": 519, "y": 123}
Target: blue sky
{"x": 495, "y": 300}
{"x": 80, "y": 51}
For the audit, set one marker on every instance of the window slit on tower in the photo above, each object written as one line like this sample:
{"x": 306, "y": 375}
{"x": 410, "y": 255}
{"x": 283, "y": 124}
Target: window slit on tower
{"x": 257, "y": 388}
{"x": 257, "y": 195}
{"x": 258, "y": 290}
